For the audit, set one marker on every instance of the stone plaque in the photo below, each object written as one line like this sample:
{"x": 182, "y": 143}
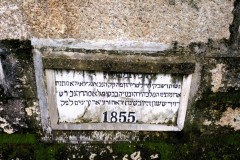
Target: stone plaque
{"x": 89, "y": 100}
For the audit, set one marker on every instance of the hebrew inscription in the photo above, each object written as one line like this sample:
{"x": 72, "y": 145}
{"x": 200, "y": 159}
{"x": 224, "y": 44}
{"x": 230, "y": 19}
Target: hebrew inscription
{"x": 99, "y": 97}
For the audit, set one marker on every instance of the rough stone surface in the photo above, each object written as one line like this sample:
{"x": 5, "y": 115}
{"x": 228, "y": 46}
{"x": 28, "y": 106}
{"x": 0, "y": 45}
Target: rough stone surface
{"x": 225, "y": 73}
{"x": 17, "y": 80}
{"x": 12, "y": 23}
{"x": 217, "y": 77}
{"x": 184, "y": 21}
{"x": 231, "y": 117}
{"x": 17, "y": 87}
{"x": 13, "y": 122}
{"x": 232, "y": 74}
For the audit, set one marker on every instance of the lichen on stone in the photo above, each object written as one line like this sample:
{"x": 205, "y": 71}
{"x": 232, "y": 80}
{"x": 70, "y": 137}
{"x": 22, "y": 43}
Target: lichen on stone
{"x": 230, "y": 118}
{"x": 217, "y": 76}
{"x": 7, "y": 128}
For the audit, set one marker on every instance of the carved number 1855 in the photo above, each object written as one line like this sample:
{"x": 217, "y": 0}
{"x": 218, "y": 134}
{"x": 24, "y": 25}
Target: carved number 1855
{"x": 123, "y": 117}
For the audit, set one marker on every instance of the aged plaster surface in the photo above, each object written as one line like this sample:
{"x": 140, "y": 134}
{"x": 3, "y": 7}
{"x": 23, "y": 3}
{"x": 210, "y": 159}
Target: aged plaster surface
{"x": 230, "y": 118}
{"x": 217, "y": 76}
{"x": 184, "y": 21}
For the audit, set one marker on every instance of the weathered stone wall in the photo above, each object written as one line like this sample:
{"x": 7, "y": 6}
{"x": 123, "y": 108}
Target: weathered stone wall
{"x": 162, "y": 21}
{"x": 17, "y": 84}
{"x": 205, "y": 30}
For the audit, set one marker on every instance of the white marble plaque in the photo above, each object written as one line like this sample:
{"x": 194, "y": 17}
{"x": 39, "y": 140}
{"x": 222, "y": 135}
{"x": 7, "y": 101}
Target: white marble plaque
{"x": 89, "y": 100}
{"x": 98, "y": 97}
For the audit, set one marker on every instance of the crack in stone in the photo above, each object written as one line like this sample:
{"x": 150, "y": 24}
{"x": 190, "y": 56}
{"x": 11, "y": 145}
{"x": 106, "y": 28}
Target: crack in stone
{"x": 234, "y": 27}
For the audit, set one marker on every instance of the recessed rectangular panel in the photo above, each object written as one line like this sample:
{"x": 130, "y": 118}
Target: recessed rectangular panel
{"x": 114, "y": 100}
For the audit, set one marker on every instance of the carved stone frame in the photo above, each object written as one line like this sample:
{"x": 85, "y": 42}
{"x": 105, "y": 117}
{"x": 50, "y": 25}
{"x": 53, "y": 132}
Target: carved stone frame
{"x": 45, "y": 78}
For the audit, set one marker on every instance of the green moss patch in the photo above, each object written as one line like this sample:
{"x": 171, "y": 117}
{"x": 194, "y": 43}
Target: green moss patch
{"x": 17, "y": 139}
